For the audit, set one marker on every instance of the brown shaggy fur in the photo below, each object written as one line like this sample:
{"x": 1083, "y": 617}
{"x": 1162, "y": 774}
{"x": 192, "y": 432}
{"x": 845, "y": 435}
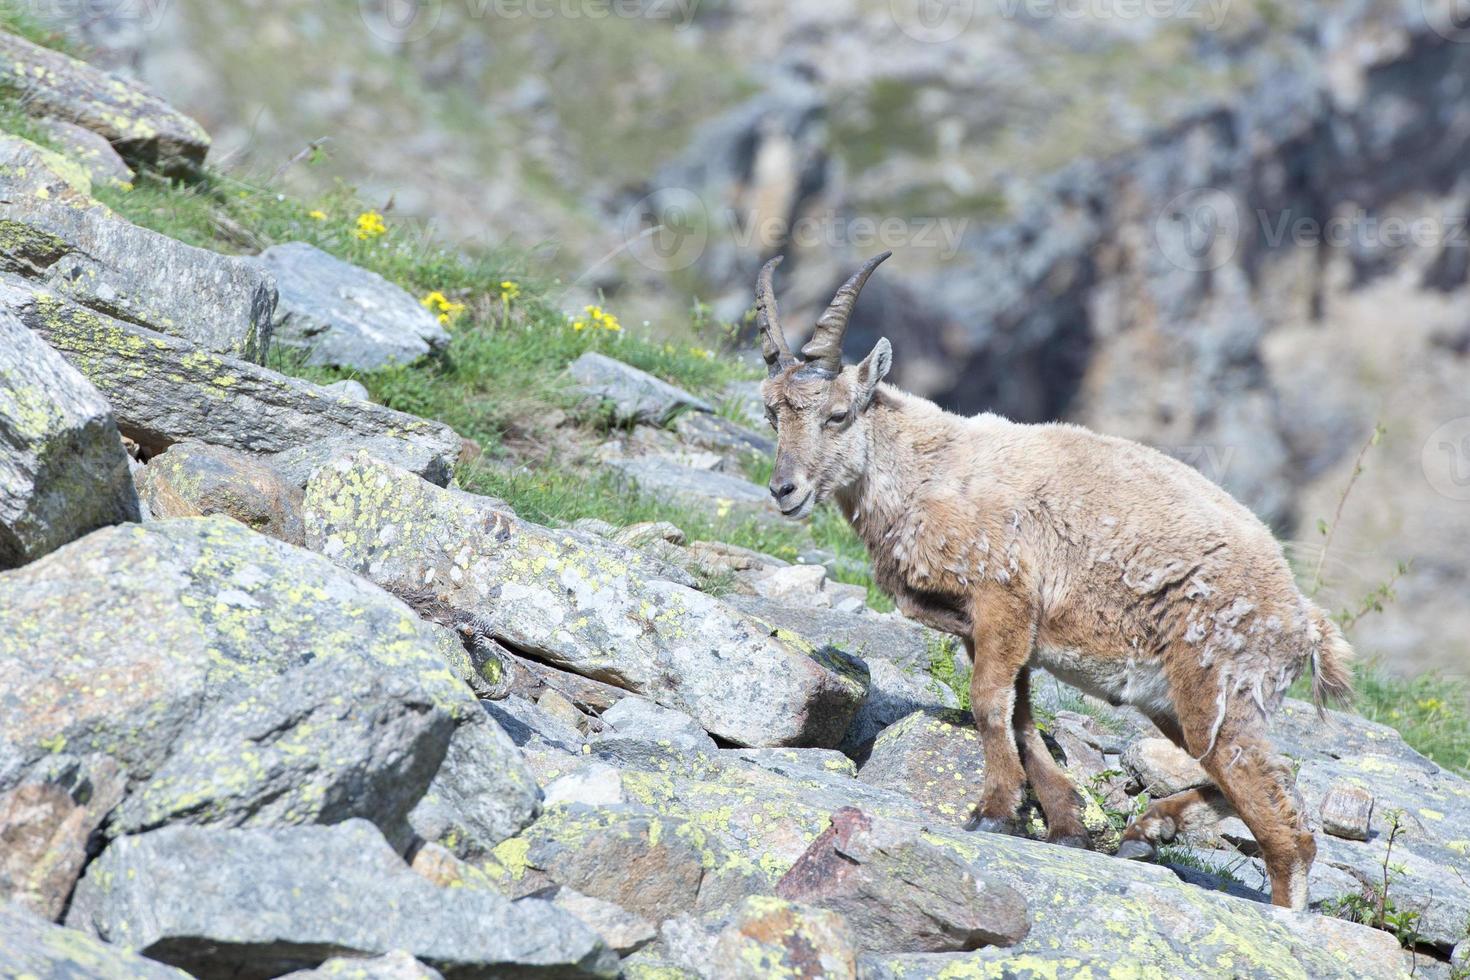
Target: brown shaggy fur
{"x": 1120, "y": 570}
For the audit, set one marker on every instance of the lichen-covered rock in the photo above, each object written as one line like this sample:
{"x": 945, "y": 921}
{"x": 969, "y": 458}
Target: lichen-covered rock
{"x": 623, "y": 931}
{"x": 142, "y": 127}
{"x": 33, "y": 947}
{"x": 583, "y": 604}
{"x": 164, "y": 390}
{"x": 763, "y": 822}
{"x": 253, "y": 680}
{"x": 316, "y": 744}
{"x": 641, "y": 720}
{"x": 935, "y": 759}
{"x": 104, "y": 165}
{"x": 898, "y": 653}
{"x": 632, "y": 395}
{"x": 343, "y": 315}
{"x": 258, "y": 903}
{"x": 195, "y": 479}
{"x": 63, "y": 471}
{"x": 1347, "y": 812}
{"x": 47, "y": 821}
{"x": 482, "y": 793}
{"x": 900, "y": 893}
{"x": 763, "y": 937}
{"x": 62, "y": 240}
{"x": 639, "y": 861}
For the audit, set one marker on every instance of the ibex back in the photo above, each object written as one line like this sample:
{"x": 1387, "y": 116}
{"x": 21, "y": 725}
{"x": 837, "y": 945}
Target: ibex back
{"x": 1120, "y": 570}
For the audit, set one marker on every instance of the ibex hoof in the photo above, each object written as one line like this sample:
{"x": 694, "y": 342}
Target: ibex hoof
{"x": 1137, "y": 850}
{"x": 993, "y": 825}
{"x": 1080, "y": 841}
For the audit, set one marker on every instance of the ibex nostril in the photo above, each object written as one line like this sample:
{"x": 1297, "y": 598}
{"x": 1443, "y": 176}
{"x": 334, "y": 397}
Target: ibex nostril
{"x": 784, "y": 490}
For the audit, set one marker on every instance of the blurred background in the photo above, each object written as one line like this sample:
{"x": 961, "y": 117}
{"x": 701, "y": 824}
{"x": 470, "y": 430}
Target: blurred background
{"x": 1232, "y": 229}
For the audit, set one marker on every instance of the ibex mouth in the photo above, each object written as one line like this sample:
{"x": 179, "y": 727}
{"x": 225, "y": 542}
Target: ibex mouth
{"x": 800, "y": 510}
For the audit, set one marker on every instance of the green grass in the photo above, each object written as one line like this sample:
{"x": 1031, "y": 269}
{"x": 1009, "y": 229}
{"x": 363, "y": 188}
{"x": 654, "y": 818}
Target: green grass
{"x": 15, "y": 19}
{"x": 1431, "y": 712}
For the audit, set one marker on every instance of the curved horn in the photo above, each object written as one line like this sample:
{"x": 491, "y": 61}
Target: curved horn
{"x": 825, "y": 347}
{"x": 774, "y": 347}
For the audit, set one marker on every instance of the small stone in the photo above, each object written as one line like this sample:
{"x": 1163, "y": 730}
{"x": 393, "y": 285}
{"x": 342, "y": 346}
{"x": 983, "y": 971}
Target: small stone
{"x": 794, "y": 583}
{"x": 342, "y": 315}
{"x": 623, "y": 931}
{"x": 640, "y": 719}
{"x": 397, "y": 965}
{"x": 847, "y": 598}
{"x": 349, "y": 388}
{"x": 900, "y": 893}
{"x": 1347, "y": 811}
{"x": 1163, "y": 768}
{"x": 633, "y": 395}
{"x": 763, "y": 937}
{"x": 193, "y": 479}
{"x": 555, "y": 704}
{"x": 593, "y": 784}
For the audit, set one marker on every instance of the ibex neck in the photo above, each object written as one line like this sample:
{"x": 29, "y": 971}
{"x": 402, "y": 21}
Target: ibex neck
{"x": 904, "y": 432}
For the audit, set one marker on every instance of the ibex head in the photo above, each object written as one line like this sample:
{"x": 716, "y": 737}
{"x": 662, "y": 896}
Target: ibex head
{"x": 817, "y": 407}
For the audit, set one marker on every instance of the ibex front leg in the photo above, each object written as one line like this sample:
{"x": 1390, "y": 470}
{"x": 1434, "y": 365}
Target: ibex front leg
{"x": 1004, "y": 631}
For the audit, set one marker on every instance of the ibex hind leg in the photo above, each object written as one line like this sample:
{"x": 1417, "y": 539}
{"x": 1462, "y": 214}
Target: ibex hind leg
{"x": 1165, "y": 819}
{"x": 1059, "y": 799}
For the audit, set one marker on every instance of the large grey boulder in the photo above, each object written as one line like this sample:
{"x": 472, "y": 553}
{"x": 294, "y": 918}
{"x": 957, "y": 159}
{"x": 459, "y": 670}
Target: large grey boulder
{"x": 224, "y": 677}
{"x": 142, "y": 127}
{"x": 935, "y": 758}
{"x": 164, "y": 390}
{"x": 632, "y": 395}
{"x": 259, "y": 903}
{"x": 33, "y": 947}
{"x": 64, "y": 241}
{"x": 90, "y": 150}
{"x": 900, "y": 893}
{"x": 343, "y": 315}
{"x": 583, "y": 604}
{"x": 720, "y": 496}
{"x": 63, "y": 471}
{"x": 195, "y": 479}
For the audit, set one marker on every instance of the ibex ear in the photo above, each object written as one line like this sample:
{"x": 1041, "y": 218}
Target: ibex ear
{"x": 872, "y": 370}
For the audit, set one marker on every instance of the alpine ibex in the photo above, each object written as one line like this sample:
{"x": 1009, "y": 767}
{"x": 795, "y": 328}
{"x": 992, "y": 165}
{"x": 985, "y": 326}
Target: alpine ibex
{"x": 1118, "y": 569}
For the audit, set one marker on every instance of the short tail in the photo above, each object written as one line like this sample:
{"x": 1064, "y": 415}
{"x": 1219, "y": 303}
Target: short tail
{"x": 1332, "y": 666}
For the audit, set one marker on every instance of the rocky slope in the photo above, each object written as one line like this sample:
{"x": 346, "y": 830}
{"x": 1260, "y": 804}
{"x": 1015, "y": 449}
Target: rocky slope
{"x": 277, "y": 697}
{"x": 1235, "y": 231}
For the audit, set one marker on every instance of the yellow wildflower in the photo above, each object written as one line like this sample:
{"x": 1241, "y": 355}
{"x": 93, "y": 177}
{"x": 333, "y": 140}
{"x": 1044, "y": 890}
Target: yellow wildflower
{"x": 445, "y": 308}
{"x": 1431, "y": 704}
{"x": 317, "y": 215}
{"x": 370, "y": 225}
{"x": 509, "y": 291}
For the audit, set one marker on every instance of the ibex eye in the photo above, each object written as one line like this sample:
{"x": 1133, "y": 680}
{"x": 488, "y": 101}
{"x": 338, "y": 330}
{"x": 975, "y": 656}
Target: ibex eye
{"x": 837, "y": 418}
